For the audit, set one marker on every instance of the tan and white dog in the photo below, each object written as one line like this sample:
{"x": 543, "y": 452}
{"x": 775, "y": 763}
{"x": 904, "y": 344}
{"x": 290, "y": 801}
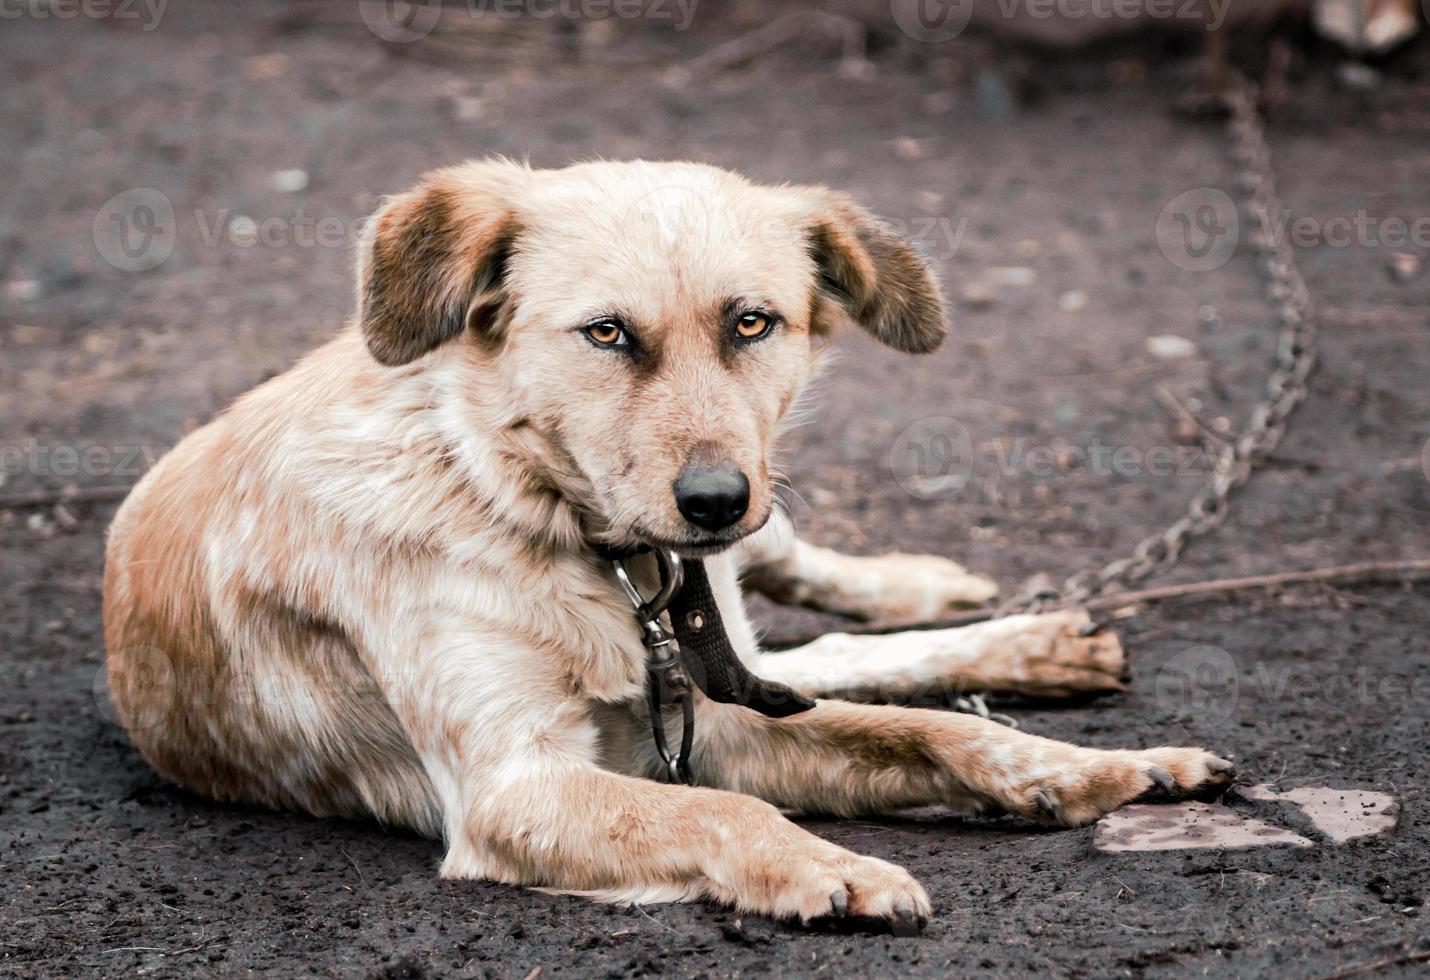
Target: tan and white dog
{"x": 369, "y": 587}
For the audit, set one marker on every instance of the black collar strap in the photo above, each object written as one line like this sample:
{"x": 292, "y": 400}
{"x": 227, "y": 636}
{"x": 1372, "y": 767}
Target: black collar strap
{"x": 705, "y": 654}
{"x": 711, "y": 661}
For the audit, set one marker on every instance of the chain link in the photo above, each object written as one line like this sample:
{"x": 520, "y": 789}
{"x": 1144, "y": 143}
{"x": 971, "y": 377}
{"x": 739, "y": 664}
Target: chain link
{"x": 1287, "y": 295}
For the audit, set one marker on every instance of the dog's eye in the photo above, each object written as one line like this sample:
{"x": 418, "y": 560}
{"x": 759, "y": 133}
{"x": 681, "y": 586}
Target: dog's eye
{"x": 752, "y": 326}
{"x": 607, "y": 333}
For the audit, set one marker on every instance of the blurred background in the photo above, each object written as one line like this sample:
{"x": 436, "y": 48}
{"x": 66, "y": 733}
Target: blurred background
{"x": 184, "y": 181}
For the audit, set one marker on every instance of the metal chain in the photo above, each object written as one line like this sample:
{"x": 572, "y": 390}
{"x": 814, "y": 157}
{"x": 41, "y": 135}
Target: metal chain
{"x": 1286, "y": 293}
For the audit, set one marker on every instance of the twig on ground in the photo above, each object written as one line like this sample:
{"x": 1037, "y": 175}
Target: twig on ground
{"x": 1375, "y": 966}
{"x": 64, "y": 495}
{"x": 776, "y": 33}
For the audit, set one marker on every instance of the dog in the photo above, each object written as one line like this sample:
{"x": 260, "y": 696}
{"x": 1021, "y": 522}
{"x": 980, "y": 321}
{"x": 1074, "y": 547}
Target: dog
{"x": 372, "y": 587}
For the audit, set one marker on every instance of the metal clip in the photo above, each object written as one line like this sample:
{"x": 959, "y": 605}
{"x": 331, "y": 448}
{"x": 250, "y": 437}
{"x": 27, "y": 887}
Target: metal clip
{"x": 666, "y": 682}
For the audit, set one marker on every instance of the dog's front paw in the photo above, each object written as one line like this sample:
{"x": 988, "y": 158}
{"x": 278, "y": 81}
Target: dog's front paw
{"x": 829, "y": 882}
{"x": 912, "y": 587}
{"x": 1100, "y": 782}
{"x": 1059, "y": 654}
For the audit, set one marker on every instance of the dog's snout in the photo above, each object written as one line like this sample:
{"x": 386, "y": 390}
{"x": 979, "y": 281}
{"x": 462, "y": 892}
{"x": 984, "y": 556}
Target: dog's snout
{"x": 712, "y": 497}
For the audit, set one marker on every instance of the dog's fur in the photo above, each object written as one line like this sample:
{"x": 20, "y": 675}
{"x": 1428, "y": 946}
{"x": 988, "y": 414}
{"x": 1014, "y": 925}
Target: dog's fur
{"x": 368, "y": 588}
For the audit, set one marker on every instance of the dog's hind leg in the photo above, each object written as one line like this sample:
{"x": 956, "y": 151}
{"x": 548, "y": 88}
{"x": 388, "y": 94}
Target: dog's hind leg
{"x": 1047, "y": 655}
{"x": 889, "y": 587}
{"x": 853, "y": 759}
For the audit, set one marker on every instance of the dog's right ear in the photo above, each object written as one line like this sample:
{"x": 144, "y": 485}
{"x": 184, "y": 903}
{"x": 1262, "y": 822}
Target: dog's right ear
{"x": 432, "y": 262}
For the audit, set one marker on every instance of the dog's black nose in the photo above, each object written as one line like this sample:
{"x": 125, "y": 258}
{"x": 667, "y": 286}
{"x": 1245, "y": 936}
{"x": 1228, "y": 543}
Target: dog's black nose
{"x": 712, "y": 497}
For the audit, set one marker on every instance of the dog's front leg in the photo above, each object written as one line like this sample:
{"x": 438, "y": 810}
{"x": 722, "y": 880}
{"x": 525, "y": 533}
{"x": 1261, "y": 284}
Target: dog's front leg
{"x": 852, "y": 759}
{"x": 888, "y": 587}
{"x": 511, "y": 751}
{"x": 1048, "y": 655}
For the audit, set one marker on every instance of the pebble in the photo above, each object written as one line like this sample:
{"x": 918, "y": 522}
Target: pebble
{"x": 976, "y": 295}
{"x": 1187, "y": 826}
{"x": 1012, "y": 275}
{"x": 289, "y": 181}
{"x": 1404, "y": 266}
{"x": 1170, "y": 347}
{"x": 23, "y": 290}
{"x": 1073, "y": 301}
{"x": 1358, "y": 77}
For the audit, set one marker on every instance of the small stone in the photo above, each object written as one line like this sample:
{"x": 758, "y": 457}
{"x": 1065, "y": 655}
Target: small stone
{"x": 1341, "y": 814}
{"x": 1073, "y": 301}
{"x": 242, "y": 231}
{"x": 1358, "y": 77}
{"x": 1013, "y": 275}
{"x": 289, "y": 181}
{"x": 976, "y": 295}
{"x": 267, "y": 65}
{"x": 908, "y": 148}
{"x": 1186, "y": 826}
{"x": 1169, "y": 347}
{"x": 23, "y": 290}
{"x": 1404, "y": 266}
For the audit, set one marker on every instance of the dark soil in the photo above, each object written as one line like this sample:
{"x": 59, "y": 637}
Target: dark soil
{"x": 1060, "y": 167}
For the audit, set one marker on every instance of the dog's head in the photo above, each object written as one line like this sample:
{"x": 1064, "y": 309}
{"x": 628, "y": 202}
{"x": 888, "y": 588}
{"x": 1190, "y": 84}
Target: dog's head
{"x": 643, "y": 327}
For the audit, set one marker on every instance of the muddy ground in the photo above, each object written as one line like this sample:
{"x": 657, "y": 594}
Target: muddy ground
{"x": 994, "y": 158}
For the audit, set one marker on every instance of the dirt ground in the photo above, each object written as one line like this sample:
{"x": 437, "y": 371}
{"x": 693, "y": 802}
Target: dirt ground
{"x": 1035, "y": 184}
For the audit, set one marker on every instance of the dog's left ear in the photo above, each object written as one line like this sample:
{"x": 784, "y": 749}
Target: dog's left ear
{"x": 872, "y": 275}
{"x": 433, "y": 260}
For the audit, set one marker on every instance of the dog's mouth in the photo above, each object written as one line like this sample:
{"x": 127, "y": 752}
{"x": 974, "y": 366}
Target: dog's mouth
{"x": 694, "y": 545}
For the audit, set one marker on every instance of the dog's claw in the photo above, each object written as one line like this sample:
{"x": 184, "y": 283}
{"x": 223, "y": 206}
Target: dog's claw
{"x": 1044, "y": 803}
{"x": 905, "y": 923}
{"x": 839, "y": 903}
{"x": 1163, "y": 779}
